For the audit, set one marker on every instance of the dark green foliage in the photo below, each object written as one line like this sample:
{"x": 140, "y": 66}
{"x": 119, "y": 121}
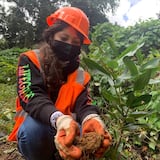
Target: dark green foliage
{"x": 8, "y": 64}
{"x": 147, "y": 32}
{"x": 18, "y": 31}
{"x": 127, "y": 87}
{"x": 7, "y": 106}
{"x": 23, "y": 24}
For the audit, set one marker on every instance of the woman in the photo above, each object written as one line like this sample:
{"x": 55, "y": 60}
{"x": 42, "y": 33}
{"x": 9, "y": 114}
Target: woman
{"x": 53, "y": 98}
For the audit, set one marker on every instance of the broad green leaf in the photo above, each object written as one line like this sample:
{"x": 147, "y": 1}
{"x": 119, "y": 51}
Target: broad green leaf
{"x": 138, "y": 114}
{"x": 95, "y": 66}
{"x": 131, "y": 127}
{"x": 142, "y": 80}
{"x": 140, "y": 57}
{"x": 112, "y": 45}
{"x": 154, "y": 81}
{"x": 131, "y": 65}
{"x": 130, "y": 99}
{"x": 130, "y": 51}
{"x": 141, "y": 100}
{"x": 135, "y": 101}
{"x": 109, "y": 97}
{"x": 153, "y": 63}
{"x": 112, "y": 64}
{"x": 152, "y": 145}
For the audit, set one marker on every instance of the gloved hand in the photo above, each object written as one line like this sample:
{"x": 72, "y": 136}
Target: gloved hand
{"x": 93, "y": 123}
{"x": 67, "y": 129}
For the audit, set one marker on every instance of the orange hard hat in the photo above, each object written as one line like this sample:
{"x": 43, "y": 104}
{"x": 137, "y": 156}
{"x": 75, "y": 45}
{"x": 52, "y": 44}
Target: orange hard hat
{"x": 74, "y": 17}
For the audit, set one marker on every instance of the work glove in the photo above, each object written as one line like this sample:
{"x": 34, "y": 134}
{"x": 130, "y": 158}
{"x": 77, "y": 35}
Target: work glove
{"x": 93, "y": 123}
{"x": 67, "y": 130}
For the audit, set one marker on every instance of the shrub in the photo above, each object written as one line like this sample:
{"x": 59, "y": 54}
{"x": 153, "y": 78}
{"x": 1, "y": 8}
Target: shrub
{"x": 8, "y": 64}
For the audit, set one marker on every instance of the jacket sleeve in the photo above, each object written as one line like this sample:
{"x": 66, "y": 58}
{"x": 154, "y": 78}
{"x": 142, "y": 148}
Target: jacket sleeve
{"x": 32, "y": 92}
{"x": 83, "y": 106}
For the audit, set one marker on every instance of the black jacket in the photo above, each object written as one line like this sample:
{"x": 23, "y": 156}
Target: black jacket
{"x": 35, "y": 100}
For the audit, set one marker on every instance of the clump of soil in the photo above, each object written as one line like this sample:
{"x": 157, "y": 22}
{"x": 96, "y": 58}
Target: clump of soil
{"x": 89, "y": 143}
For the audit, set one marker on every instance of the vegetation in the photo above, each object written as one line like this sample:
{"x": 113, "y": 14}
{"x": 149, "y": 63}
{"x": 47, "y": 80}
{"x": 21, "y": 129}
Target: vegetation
{"x": 126, "y": 87}
{"x": 30, "y": 18}
{"x": 8, "y": 63}
{"x": 7, "y": 105}
{"x": 146, "y": 31}
{"x": 128, "y": 92}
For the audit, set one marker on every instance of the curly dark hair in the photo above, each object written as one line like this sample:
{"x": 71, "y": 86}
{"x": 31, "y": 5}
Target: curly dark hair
{"x": 51, "y": 65}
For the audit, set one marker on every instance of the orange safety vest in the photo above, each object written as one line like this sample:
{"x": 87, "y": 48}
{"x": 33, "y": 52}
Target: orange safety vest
{"x": 67, "y": 95}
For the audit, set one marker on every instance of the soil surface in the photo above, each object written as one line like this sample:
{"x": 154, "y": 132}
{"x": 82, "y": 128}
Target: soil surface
{"x": 88, "y": 143}
{"x": 8, "y": 150}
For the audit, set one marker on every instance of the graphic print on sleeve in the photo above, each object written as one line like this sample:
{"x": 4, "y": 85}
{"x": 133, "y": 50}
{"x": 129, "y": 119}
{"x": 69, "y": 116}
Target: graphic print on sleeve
{"x": 24, "y": 83}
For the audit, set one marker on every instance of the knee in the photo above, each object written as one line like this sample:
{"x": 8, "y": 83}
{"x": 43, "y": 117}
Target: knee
{"x": 36, "y": 139}
{"x": 32, "y": 129}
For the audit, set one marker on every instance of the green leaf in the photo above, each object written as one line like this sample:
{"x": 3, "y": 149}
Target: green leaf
{"x": 138, "y": 114}
{"x": 130, "y": 51}
{"x": 152, "y": 145}
{"x": 112, "y": 64}
{"x": 142, "y": 80}
{"x": 131, "y": 65}
{"x": 134, "y": 101}
{"x": 141, "y": 100}
{"x": 109, "y": 97}
{"x": 140, "y": 57}
{"x": 95, "y": 66}
{"x": 154, "y": 81}
{"x": 130, "y": 99}
{"x": 112, "y": 45}
{"x": 153, "y": 63}
{"x": 133, "y": 126}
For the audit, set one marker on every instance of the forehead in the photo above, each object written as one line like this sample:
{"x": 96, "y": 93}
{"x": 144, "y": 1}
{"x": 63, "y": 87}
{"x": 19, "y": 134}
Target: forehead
{"x": 70, "y": 31}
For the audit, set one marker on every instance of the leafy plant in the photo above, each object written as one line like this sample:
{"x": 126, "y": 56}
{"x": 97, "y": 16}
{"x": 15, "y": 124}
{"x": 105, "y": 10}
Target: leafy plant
{"x": 125, "y": 86}
{"x": 147, "y": 31}
{"x": 8, "y": 64}
{"x": 7, "y": 105}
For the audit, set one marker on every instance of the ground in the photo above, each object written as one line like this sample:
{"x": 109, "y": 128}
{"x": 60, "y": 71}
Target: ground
{"x": 8, "y": 150}
{"x": 88, "y": 143}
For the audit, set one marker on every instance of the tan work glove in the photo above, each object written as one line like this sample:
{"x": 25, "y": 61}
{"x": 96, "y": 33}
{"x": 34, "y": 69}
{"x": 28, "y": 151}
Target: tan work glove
{"x": 67, "y": 130}
{"x": 93, "y": 123}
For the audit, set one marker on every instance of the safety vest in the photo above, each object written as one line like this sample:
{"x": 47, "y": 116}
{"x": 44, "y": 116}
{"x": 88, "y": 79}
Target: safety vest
{"x": 67, "y": 95}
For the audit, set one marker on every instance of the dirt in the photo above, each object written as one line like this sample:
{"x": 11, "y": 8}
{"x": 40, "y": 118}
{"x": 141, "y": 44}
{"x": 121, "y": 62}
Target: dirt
{"x": 88, "y": 143}
{"x": 8, "y": 150}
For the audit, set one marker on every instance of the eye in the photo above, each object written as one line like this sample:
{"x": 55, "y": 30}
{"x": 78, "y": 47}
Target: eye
{"x": 64, "y": 38}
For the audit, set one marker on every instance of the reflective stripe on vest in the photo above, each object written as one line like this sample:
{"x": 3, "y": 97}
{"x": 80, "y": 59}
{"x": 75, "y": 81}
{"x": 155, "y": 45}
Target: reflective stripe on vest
{"x": 80, "y": 77}
{"x": 21, "y": 113}
{"x": 69, "y": 91}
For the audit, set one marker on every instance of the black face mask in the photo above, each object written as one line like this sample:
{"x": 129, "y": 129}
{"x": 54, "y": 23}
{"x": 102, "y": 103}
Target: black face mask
{"x": 67, "y": 52}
